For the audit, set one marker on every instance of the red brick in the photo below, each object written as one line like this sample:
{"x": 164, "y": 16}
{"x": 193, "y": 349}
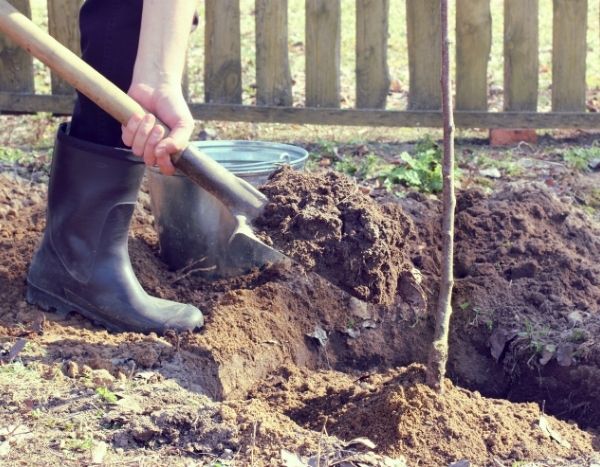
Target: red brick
{"x": 509, "y": 137}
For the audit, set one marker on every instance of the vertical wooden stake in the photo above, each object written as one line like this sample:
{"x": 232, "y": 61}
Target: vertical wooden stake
{"x": 438, "y": 354}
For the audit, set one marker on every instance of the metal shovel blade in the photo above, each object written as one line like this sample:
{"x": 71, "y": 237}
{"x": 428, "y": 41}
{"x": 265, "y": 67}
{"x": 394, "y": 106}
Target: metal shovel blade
{"x": 245, "y": 252}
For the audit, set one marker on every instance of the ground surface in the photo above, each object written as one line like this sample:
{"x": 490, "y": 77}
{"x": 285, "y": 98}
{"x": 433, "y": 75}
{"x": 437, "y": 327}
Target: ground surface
{"x": 291, "y": 369}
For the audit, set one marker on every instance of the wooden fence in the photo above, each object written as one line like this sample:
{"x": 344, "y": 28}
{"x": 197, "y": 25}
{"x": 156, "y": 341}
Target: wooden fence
{"x": 223, "y": 73}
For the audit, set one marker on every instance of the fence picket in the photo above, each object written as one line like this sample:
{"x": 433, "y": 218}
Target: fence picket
{"x": 424, "y": 55}
{"x": 16, "y": 66}
{"x": 273, "y": 75}
{"x": 569, "y": 48}
{"x": 473, "y": 46}
{"x": 64, "y": 27}
{"x": 323, "y": 37}
{"x": 372, "y": 74}
{"x": 521, "y": 54}
{"x": 222, "y": 55}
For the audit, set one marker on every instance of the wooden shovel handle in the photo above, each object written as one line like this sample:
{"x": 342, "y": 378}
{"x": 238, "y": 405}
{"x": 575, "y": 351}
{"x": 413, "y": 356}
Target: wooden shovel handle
{"x": 237, "y": 194}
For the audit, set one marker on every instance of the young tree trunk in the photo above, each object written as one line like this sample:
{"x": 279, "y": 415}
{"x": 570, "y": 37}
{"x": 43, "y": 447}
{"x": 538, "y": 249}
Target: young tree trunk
{"x": 438, "y": 354}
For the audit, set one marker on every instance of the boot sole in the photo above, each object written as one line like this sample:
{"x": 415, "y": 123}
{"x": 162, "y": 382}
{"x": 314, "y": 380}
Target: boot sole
{"x": 49, "y": 302}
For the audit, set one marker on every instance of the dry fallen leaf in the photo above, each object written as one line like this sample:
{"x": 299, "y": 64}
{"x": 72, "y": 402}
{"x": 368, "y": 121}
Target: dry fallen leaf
{"x": 544, "y": 425}
{"x": 564, "y": 354}
{"x": 99, "y": 450}
{"x": 547, "y": 353}
{"x": 291, "y": 459}
{"x": 365, "y": 442}
{"x": 498, "y": 341}
{"x": 319, "y": 334}
{"x": 4, "y": 448}
{"x": 15, "y": 351}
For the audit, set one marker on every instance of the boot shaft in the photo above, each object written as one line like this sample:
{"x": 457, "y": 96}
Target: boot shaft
{"x": 88, "y": 182}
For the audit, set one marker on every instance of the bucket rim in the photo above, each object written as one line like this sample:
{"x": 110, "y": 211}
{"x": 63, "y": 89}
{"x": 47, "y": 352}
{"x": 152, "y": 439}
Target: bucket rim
{"x": 298, "y": 154}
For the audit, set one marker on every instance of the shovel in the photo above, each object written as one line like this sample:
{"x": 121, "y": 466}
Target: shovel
{"x": 244, "y": 250}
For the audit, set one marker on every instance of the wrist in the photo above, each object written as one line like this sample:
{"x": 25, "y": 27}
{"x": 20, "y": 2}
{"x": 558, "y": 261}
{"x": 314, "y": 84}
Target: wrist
{"x": 156, "y": 78}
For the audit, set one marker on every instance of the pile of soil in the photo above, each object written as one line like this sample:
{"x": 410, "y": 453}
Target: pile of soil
{"x": 403, "y": 416}
{"x": 270, "y": 319}
{"x": 527, "y": 295}
{"x": 328, "y": 225}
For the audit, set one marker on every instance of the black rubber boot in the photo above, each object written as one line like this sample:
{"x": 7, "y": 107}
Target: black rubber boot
{"x": 82, "y": 263}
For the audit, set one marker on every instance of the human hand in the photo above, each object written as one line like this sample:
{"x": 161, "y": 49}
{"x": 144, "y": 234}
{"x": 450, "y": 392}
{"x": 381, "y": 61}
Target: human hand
{"x": 145, "y": 137}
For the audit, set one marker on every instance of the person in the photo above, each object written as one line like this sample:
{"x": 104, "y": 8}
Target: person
{"x": 82, "y": 263}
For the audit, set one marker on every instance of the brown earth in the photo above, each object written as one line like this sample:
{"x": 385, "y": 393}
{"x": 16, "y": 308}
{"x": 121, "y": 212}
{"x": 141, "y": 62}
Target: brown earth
{"x": 328, "y": 225}
{"x": 398, "y": 412}
{"x": 527, "y": 296}
{"x": 296, "y": 319}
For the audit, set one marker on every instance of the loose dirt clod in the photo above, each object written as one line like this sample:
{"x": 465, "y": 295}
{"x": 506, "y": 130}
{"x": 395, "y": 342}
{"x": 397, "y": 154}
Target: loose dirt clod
{"x": 328, "y": 225}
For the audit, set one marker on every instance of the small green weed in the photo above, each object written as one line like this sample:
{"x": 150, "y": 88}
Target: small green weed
{"x": 580, "y": 158}
{"x": 507, "y": 166}
{"x": 537, "y": 339}
{"x": 421, "y": 170}
{"x": 79, "y": 444}
{"x": 577, "y": 336}
{"x": 21, "y": 373}
{"x": 593, "y": 198}
{"x": 482, "y": 316}
{"x": 368, "y": 167}
{"x": 11, "y": 155}
{"x": 536, "y": 347}
{"x": 107, "y": 395}
{"x": 36, "y": 414}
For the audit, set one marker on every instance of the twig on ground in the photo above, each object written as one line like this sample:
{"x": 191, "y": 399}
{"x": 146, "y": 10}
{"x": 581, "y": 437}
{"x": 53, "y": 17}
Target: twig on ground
{"x": 322, "y": 434}
{"x": 253, "y": 447}
{"x": 191, "y": 272}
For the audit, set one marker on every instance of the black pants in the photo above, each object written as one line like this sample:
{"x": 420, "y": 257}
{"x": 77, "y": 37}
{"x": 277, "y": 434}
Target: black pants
{"x": 110, "y": 31}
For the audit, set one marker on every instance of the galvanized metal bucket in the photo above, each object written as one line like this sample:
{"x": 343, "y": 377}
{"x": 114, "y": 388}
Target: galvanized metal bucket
{"x": 193, "y": 226}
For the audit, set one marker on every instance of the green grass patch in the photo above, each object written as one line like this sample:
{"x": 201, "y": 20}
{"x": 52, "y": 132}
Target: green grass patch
{"x": 580, "y": 158}
{"x": 420, "y": 169}
{"x": 12, "y": 155}
{"x": 107, "y": 395}
{"x": 79, "y": 444}
{"x": 507, "y": 166}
